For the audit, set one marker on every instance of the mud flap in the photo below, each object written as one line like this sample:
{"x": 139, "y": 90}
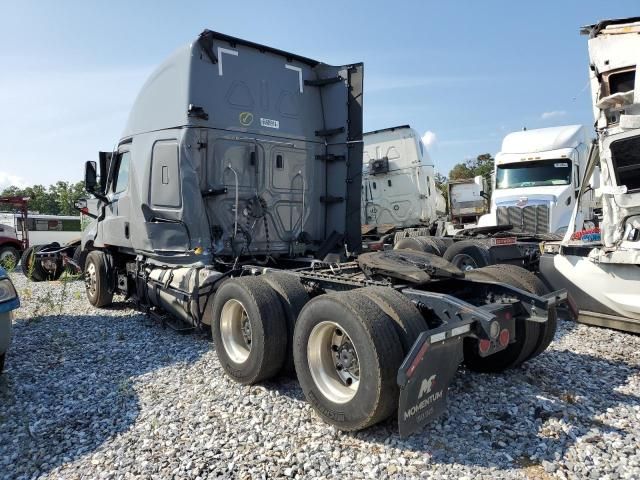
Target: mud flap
{"x": 424, "y": 379}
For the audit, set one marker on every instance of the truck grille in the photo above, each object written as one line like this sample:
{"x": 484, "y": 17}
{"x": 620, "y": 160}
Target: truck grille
{"x": 530, "y": 219}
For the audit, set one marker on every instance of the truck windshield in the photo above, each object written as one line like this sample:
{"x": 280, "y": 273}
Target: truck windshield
{"x": 534, "y": 174}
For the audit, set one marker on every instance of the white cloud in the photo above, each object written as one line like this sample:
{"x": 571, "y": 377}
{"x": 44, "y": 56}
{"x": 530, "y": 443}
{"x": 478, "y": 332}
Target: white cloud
{"x": 553, "y": 114}
{"x": 429, "y": 138}
{"x": 9, "y": 180}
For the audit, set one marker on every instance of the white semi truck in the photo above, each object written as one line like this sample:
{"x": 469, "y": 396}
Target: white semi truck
{"x": 398, "y": 184}
{"x": 537, "y": 177}
{"x": 402, "y": 208}
{"x": 602, "y": 268}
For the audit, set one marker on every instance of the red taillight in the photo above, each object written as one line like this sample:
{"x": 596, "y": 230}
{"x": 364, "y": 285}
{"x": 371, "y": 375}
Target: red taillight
{"x": 418, "y": 359}
{"x": 497, "y": 241}
{"x": 504, "y": 337}
{"x": 84, "y": 210}
{"x": 376, "y": 246}
{"x": 484, "y": 346}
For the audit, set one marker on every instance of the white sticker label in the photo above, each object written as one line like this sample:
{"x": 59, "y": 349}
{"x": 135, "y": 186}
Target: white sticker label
{"x": 267, "y": 122}
{"x": 561, "y": 165}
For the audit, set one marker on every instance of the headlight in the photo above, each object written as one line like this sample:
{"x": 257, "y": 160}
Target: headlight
{"x": 7, "y": 292}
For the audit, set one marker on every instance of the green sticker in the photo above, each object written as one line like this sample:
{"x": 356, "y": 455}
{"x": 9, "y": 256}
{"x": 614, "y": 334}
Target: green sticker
{"x": 246, "y": 118}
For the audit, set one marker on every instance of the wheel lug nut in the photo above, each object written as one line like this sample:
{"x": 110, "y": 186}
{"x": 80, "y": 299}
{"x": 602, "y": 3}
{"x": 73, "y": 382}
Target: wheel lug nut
{"x": 339, "y": 367}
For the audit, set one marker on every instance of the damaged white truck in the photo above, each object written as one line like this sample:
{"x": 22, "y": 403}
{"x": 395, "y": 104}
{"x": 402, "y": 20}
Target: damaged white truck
{"x": 602, "y": 270}
{"x": 232, "y": 202}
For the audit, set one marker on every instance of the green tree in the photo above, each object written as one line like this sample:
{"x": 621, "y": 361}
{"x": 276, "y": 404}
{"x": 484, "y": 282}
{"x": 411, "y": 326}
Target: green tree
{"x": 481, "y": 165}
{"x": 460, "y": 171}
{"x": 441, "y": 185}
{"x": 484, "y": 165}
{"x": 65, "y": 195}
{"x": 40, "y": 199}
{"x": 57, "y": 199}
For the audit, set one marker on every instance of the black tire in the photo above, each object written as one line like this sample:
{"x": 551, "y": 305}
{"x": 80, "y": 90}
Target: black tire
{"x": 531, "y": 283}
{"x": 98, "y": 287}
{"x": 293, "y": 297}
{"x": 25, "y": 261}
{"x": 438, "y": 244}
{"x": 78, "y": 258}
{"x": 468, "y": 255}
{"x": 2, "y": 357}
{"x": 32, "y": 269}
{"x": 268, "y": 329}
{"x": 407, "y": 320}
{"x": 9, "y": 257}
{"x": 533, "y": 332}
{"x": 420, "y": 244}
{"x": 378, "y": 350}
{"x": 527, "y": 334}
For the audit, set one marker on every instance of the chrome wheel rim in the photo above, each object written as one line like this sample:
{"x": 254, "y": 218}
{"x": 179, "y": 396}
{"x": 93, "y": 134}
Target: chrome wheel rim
{"x": 90, "y": 278}
{"x": 235, "y": 330}
{"x": 333, "y": 362}
{"x": 464, "y": 262}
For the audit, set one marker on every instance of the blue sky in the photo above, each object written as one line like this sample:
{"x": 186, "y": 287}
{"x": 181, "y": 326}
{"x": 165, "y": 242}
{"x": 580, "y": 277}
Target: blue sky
{"x": 468, "y": 72}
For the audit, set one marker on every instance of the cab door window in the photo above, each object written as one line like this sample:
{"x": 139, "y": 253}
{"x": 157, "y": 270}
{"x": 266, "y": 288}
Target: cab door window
{"x": 121, "y": 176}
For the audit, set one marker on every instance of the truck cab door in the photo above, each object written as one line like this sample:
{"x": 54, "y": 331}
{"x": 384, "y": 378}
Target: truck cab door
{"x": 116, "y": 224}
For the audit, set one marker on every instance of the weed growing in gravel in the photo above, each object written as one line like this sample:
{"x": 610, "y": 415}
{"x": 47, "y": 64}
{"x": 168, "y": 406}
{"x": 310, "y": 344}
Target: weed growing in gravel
{"x": 45, "y": 303}
{"x": 26, "y": 294}
{"x": 65, "y": 279}
{"x": 154, "y": 423}
{"x": 42, "y": 305}
{"x": 51, "y": 300}
{"x": 568, "y": 397}
{"x": 125, "y": 388}
{"x": 9, "y": 264}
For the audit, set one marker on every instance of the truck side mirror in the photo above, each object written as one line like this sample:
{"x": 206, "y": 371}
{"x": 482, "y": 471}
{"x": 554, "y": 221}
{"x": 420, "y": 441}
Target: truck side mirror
{"x": 91, "y": 184}
{"x": 90, "y": 176}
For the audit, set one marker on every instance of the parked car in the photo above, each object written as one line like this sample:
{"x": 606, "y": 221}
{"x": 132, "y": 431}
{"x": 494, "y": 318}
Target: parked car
{"x": 9, "y": 301}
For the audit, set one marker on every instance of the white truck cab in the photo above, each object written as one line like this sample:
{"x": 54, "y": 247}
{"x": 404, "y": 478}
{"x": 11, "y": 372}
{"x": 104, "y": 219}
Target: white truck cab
{"x": 398, "y": 184}
{"x": 537, "y": 177}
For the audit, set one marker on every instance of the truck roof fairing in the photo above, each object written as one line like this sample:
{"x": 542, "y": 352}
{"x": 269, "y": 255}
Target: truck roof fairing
{"x": 388, "y": 129}
{"x": 596, "y": 28}
{"x": 204, "y": 84}
{"x": 544, "y": 139}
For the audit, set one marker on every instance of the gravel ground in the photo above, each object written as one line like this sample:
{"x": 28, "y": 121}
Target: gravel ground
{"x": 110, "y": 394}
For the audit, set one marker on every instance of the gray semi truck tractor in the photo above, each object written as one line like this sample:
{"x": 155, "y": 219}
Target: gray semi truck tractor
{"x": 232, "y": 203}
